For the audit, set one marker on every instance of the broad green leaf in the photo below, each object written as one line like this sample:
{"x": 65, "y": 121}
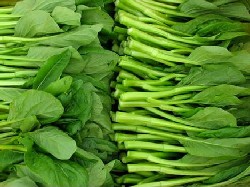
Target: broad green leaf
{"x": 235, "y": 10}
{"x": 55, "y": 142}
{"x": 221, "y": 95}
{"x": 9, "y": 94}
{"x": 43, "y": 105}
{"x": 210, "y": 55}
{"x": 60, "y": 86}
{"x": 226, "y": 174}
{"x": 98, "y": 60}
{"x": 213, "y": 118}
{"x": 23, "y": 7}
{"x": 76, "y": 38}
{"x": 97, "y": 16}
{"x": 8, "y": 158}
{"x": 241, "y": 60}
{"x": 228, "y": 132}
{"x": 90, "y": 2}
{"x": 56, "y": 173}
{"x": 51, "y": 70}
{"x": 94, "y": 166}
{"x": 18, "y": 182}
{"x": 27, "y": 124}
{"x": 66, "y": 16}
{"x": 197, "y": 7}
{"x": 36, "y": 23}
{"x": 210, "y": 148}
{"x": 213, "y": 74}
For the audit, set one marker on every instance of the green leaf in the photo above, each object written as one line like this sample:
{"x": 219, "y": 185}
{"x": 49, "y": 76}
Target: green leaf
{"x": 76, "y": 38}
{"x": 23, "y": 7}
{"x": 66, "y": 16}
{"x": 214, "y": 148}
{"x": 56, "y": 173}
{"x": 43, "y": 105}
{"x": 213, "y": 74}
{"x": 59, "y": 86}
{"x": 98, "y": 60}
{"x": 221, "y": 95}
{"x": 8, "y": 158}
{"x": 228, "y": 132}
{"x": 94, "y": 166}
{"x": 97, "y": 16}
{"x": 18, "y": 182}
{"x": 213, "y": 118}
{"x": 226, "y": 174}
{"x": 51, "y": 70}
{"x": 210, "y": 54}
{"x": 36, "y": 23}
{"x": 55, "y": 142}
{"x": 9, "y": 94}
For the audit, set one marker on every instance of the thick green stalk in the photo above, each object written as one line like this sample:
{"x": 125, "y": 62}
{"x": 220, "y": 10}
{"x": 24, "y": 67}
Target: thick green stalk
{"x": 120, "y": 137}
{"x": 13, "y": 147}
{"x": 159, "y": 4}
{"x": 134, "y": 119}
{"x": 138, "y": 67}
{"x": 172, "y": 182}
{"x": 158, "y": 53}
{"x": 153, "y": 146}
{"x": 13, "y": 82}
{"x": 133, "y": 96}
{"x": 160, "y": 41}
{"x": 152, "y": 158}
{"x": 142, "y": 55}
{"x": 19, "y": 74}
{"x": 129, "y": 22}
{"x": 7, "y": 134}
{"x": 167, "y": 170}
{"x": 147, "y": 11}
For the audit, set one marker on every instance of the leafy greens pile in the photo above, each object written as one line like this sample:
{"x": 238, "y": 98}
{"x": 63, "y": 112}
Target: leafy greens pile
{"x": 55, "y": 71}
{"x": 183, "y": 92}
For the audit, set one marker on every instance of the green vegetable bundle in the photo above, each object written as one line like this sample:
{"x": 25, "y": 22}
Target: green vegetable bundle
{"x": 55, "y": 71}
{"x": 183, "y": 92}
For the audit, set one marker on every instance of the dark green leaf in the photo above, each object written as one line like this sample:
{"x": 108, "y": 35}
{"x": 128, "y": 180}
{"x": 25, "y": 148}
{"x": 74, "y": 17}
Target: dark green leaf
{"x": 36, "y": 23}
{"x": 19, "y": 182}
{"x": 213, "y": 74}
{"x": 213, "y": 118}
{"x": 60, "y": 86}
{"x": 43, "y": 105}
{"x": 66, "y": 16}
{"x": 55, "y": 142}
{"x": 76, "y": 38}
{"x": 51, "y": 70}
{"x": 56, "y": 173}
{"x": 8, "y": 157}
{"x": 23, "y": 7}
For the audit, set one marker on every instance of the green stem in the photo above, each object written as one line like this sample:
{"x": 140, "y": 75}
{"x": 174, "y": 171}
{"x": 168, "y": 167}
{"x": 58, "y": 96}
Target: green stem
{"x": 3, "y": 116}
{"x": 158, "y": 53}
{"x": 153, "y": 146}
{"x": 124, "y": 75}
{"x": 18, "y": 74}
{"x": 13, "y": 82}
{"x": 166, "y": 170}
{"x": 168, "y": 116}
{"x": 171, "y": 101}
{"x": 172, "y": 182}
{"x": 126, "y": 8}
{"x": 13, "y": 147}
{"x": 159, "y": 4}
{"x": 7, "y": 134}
{"x": 159, "y": 41}
{"x": 15, "y": 39}
{"x": 131, "y": 23}
{"x": 18, "y": 63}
{"x": 147, "y": 11}
{"x": 6, "y": 10}
{"x": 133, "y": 96}
{"x": 134, "y": 119}
{"x": 142, "y": 55}
{"x": 152, "y": 158}
{"x": 138, "y": 67}
{"x": 120, "y": 137}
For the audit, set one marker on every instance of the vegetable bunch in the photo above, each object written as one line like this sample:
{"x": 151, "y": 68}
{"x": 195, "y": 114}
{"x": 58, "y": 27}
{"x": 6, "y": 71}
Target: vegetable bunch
{"x": 55, "y": 127}
{"x": 183, "y": 92}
